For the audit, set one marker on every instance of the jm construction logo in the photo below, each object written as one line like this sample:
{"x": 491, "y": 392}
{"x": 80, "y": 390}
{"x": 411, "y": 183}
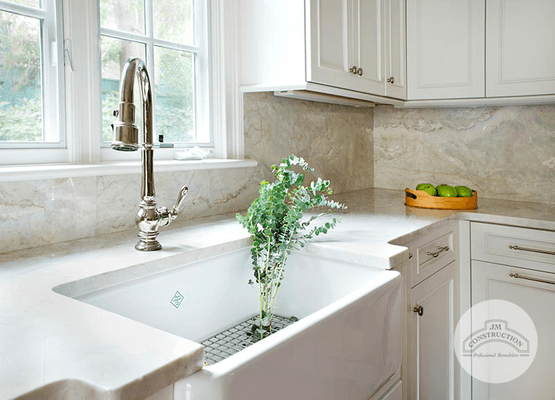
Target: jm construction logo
{"x": 495, "y": 341}
{"x": 496, "y": 330}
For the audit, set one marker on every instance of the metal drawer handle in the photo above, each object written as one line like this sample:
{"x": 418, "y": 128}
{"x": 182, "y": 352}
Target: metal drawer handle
{"x": 419, "y": 310}
{"x": 551, "y": 253}
{"x": 438, "y": 252}
{"x": 529, "y": 278}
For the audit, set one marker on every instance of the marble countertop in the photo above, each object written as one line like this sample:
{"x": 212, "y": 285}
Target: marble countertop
{"x": 51, "y": 343}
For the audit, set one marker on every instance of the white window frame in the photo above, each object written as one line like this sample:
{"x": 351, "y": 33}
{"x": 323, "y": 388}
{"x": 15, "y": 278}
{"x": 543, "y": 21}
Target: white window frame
{"x": 54, "y": 146}
{"x": 81, "y": 48}
{"x": 201, "y": 53}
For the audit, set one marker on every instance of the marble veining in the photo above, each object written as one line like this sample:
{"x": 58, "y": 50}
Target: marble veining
{"x": 336, "y": 140}
{"x": 502, "y": 152}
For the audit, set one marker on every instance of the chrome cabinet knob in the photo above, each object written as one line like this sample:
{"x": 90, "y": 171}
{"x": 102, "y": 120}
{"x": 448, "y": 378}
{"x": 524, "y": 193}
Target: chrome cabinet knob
{"x": 359, "y": 71}
{"x": 391, "y": 80}
{"x": 353, "y": 69}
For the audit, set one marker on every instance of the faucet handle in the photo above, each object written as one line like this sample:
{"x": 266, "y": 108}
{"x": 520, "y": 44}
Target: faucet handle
{"x": 167, "y": 217}
{"x": 179, "y": 202}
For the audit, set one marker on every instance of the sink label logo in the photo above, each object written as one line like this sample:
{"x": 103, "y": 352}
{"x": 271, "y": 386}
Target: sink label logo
{"x": 495, "y": 341}
{"x": 176, "y": 299}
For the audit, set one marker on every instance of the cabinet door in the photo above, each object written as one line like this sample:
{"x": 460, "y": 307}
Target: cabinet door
{"x": 434, "y": 367}
{"x": 395, "y": 70}
{"x": 445, "y": 48}
{"x": 519, "y": 49}
{"x": 329, "y": 41}
{"x": 368, "y": 46}
{"x": 492, "y": 281}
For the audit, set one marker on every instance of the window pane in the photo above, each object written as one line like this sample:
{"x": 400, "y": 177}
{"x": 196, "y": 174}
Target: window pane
{"x": 114, "y": 54}
{"x": 20, "y": 79}
{"x": 173, "y": 20}
{"x": 175, "y": 95}
{"x": 123, "y": 15}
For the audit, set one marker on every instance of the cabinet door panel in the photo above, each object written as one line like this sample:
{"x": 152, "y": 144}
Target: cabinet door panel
{"x": 328, "y": 61}
{"x": 368, "y": 43}
{"x": 395, "y": 49}
{"x": 445, "y": 48}
{"x": 433, "y": 365}
{"x": 492, "y": 281}
{"x": 520, "y": 42}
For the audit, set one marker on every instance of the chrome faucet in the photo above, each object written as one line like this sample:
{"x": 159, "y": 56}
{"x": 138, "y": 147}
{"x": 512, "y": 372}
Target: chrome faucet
{"x": 126, "y": 138}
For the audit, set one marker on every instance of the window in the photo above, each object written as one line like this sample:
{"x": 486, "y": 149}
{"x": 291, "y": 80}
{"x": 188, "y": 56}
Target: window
{"x": 60, "y": 72}
{"x": 171, "y": 36}
{"x": 31, "y": 82}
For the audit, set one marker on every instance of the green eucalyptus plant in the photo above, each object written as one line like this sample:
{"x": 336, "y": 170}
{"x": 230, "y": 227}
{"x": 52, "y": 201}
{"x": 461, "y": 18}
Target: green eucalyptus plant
{"x": 275, "y": 221}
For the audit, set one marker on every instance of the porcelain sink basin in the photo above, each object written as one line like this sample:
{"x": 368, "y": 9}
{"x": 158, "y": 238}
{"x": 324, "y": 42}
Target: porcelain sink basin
{"x": 347, "y": 339}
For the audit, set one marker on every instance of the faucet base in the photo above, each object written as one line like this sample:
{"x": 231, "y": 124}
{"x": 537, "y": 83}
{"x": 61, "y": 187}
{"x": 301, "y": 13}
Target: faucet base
{"x": 148, "y": 246}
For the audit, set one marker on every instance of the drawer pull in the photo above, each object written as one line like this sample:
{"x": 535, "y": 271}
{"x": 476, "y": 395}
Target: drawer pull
{"x": 419, "y": 310}
{"x": 551, "y": 253}
{"x": 529, "y": 278}
{"x": 438, "y": 252}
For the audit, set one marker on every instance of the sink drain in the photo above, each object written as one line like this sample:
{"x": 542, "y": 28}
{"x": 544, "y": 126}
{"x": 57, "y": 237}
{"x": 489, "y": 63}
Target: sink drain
{"x": 233, "y": 340}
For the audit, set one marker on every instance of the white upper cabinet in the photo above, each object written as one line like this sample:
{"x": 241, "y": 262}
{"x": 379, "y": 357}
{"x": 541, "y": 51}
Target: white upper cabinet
{"x": 330, "y": 30}
{"x": 445, "y": 49}
{"x": 520, "y": 47}
{"x": 357, "y": 45}
{"x": 429, "y": 52}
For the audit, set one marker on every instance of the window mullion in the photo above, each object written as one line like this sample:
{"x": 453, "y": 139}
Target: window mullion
{"x": 23, "y": 10}
{"x": 176, "y": 46}
{"x": 83, "y": 81}
{"x": 113, "y": 33}
{"x": 53, "y": 73}
{"x": 149, "y": 19}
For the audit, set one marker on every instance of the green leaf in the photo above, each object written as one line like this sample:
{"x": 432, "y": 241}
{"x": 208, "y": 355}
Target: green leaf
{"x": 277, "y": 224}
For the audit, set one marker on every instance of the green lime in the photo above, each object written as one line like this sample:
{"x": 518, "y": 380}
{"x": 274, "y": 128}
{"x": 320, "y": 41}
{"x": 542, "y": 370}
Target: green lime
{"x": 446, "y": 191}
{"x": 463, "y": 191}
{"x": 428, "y": 188}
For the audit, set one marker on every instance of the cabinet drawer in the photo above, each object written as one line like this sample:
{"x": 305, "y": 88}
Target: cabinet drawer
{"x": 520, "y": 247}
{"x": 433, "y": 252}
{"x": 534, "y": 292}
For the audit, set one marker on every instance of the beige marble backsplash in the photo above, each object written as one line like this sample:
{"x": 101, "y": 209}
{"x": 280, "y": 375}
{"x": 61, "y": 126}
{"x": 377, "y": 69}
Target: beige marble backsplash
{"x": 336, "y": 140}
{"x": 502, "y": 152}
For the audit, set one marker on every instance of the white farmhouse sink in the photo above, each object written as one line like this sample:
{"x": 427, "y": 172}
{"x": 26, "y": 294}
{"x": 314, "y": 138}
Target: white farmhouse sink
{"x": 346, "y": 345}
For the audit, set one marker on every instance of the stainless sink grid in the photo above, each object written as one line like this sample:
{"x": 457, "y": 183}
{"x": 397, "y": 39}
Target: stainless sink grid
{"x": 233, "y": 340}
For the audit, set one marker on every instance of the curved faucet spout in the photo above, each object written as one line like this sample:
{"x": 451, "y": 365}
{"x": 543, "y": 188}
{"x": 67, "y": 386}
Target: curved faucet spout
{"x": 125, "y": 130}
{"x": 149, "y": 218}
{"x": 135, "y": 67}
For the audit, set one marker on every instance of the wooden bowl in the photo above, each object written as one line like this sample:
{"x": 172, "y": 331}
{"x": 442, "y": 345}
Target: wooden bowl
{"x": 421, "y": 199}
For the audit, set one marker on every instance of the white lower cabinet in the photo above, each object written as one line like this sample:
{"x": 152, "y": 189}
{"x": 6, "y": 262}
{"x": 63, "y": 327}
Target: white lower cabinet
{"x": 494, "y": 281}
{"x": 434, "y": 304}
{"x": 454, "y": 266}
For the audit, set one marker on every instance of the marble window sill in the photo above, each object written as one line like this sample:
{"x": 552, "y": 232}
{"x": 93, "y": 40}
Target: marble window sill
{"x": 53, "y": 171}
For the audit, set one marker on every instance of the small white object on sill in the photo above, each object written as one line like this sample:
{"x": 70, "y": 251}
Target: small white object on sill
{"x": 196, "y": 153}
